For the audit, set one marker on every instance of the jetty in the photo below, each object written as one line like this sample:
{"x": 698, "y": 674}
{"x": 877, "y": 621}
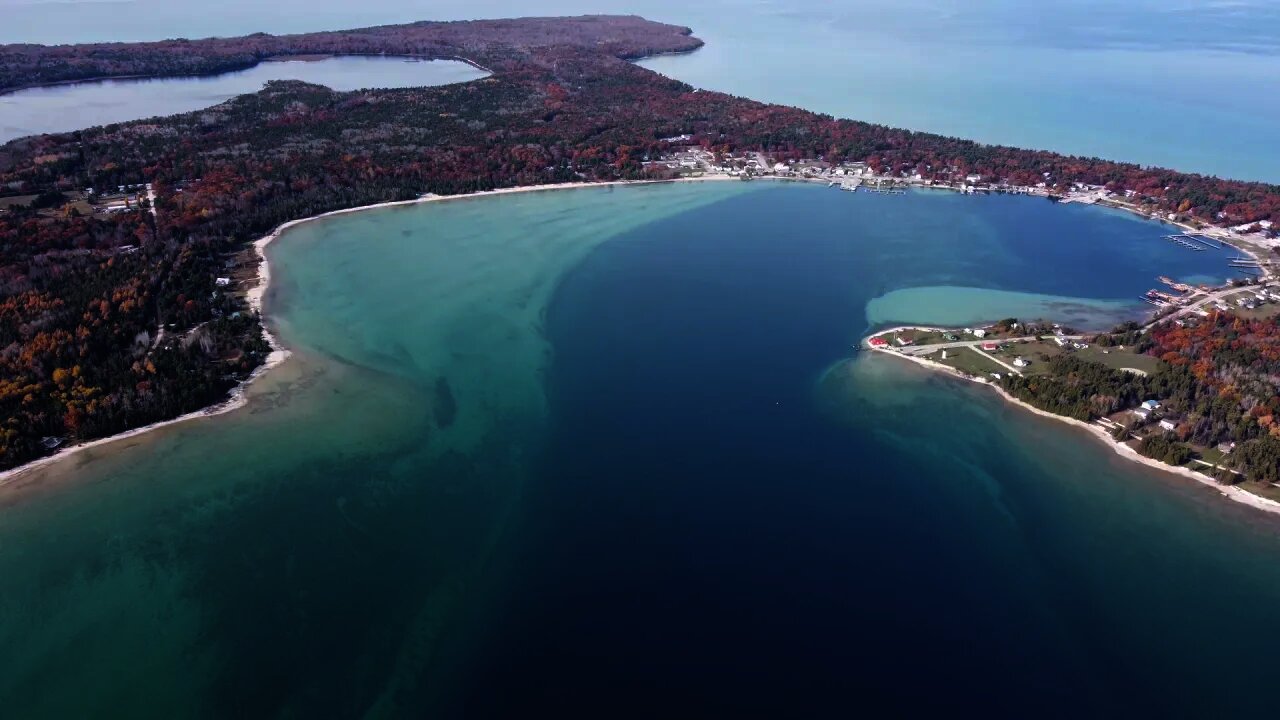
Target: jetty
{"x": 1180, "y": 287}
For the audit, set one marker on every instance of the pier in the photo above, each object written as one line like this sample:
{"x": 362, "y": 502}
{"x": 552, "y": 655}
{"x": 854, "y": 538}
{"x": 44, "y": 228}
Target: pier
{"x": 1187, "y": 241}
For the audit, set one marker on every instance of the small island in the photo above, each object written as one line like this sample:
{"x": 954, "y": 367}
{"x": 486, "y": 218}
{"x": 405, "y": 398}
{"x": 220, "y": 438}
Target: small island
{"x": 1193, "y": 392}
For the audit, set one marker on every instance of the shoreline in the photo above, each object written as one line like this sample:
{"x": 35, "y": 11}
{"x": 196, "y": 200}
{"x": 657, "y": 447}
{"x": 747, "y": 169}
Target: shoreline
{"x": 237, "y": 397}
{"x": 1230, "y": 492}
{"x": 255, "y": 297}
{"x": 204, "y": 76}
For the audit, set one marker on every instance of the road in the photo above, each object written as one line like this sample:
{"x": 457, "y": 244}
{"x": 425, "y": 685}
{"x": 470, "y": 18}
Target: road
{"x": 934, "y": 347}
{"x": 1206, "y": 300}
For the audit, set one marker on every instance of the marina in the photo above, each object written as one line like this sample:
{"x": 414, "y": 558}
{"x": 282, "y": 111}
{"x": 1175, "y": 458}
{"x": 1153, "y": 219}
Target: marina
{"x": 1187, "y": 241}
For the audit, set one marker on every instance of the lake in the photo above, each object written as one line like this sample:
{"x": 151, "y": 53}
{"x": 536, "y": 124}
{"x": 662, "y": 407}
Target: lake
{"x": 608, "y": 452}
{"x": 1193, "y": 86}
{"x": 60, "y": 108}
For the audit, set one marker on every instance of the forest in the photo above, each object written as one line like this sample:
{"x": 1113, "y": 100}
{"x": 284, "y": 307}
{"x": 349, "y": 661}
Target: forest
{"x": 115, "y": 321}
{"x": 1220, "y": 384}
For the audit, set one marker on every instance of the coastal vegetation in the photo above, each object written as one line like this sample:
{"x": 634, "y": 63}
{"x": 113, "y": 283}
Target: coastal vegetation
{"x": 1202, "y": 392}
{"x": 116, "y": 320}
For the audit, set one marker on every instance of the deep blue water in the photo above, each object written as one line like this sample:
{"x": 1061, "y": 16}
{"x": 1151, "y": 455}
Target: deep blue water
{"x": 718, "y": 531}
{"x": 608, "y": 452}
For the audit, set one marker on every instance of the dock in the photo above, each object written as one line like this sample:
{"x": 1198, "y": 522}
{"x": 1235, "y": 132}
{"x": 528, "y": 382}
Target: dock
{"x": 1188, "y": 241}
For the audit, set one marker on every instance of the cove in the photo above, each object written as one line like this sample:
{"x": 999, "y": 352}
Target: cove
{"x": 61, "y": 108}
{"x": 606, "y": 452}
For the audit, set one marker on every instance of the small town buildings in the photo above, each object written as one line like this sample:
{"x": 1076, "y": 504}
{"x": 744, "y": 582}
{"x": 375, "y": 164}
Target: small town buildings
{"x": 1151, "y": 405}
{"x": 1020, "y": 362}
{"x": 1168, "y": 425}
{"x": 1142, "y": 413}
{"x": 990, "y": 346}
{"x": 877, "y": 342}
{"x": 979, "y": 333}
{"x": 902, "y": 341}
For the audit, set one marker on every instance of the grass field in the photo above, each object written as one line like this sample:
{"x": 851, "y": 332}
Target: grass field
{"x": 1120, "y": 359}
{"x": 967, "y": 360}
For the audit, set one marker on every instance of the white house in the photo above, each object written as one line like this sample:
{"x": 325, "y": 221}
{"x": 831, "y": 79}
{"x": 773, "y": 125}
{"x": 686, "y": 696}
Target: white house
{"x": 979, "y": 332}
{"x": 1167, "y": 425}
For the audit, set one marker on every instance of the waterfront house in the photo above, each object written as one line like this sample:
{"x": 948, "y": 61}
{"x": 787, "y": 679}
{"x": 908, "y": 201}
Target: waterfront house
{"x": 979, "y": 333}
{"x": 902, "y": 341}
{"x": 990, "y": 346}
{"x": 877, "y": 342}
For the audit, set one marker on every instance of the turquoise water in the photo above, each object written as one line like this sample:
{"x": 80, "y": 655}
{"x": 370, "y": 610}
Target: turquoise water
{"x": 1192, "y": 86}
{"x": 604, "y": 452}
{"x": 71, "y": 107}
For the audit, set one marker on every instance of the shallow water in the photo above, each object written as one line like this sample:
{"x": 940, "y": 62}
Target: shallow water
{"x": 600, "y": 452}
{"x": 71, "y": 107}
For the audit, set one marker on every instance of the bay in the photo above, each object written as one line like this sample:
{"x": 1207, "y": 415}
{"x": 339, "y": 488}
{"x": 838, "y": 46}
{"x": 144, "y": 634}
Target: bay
{"x": 608, "y": 452}
{"x": 60, "y": 108}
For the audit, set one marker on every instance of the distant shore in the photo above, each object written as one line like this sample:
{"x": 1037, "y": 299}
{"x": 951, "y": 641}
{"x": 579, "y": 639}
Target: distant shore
{"x": 237, "y": 69}
{"x": 255, "y": 296}
{"x": 1230, "y": 492}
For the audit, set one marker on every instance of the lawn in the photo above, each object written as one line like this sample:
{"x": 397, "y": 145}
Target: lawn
{"x": 1120, "y": 359}
{"x": 966, "y": 360}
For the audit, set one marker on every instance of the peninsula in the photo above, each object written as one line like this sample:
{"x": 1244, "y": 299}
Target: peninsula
{"x": 1194, "y": 394}
{"x": 128, "y": 253}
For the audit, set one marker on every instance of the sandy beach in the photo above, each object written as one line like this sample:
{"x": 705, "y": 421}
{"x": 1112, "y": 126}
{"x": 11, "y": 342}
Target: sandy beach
{"x": 255, "y": 296}
{"x": 1232, "y": 493}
